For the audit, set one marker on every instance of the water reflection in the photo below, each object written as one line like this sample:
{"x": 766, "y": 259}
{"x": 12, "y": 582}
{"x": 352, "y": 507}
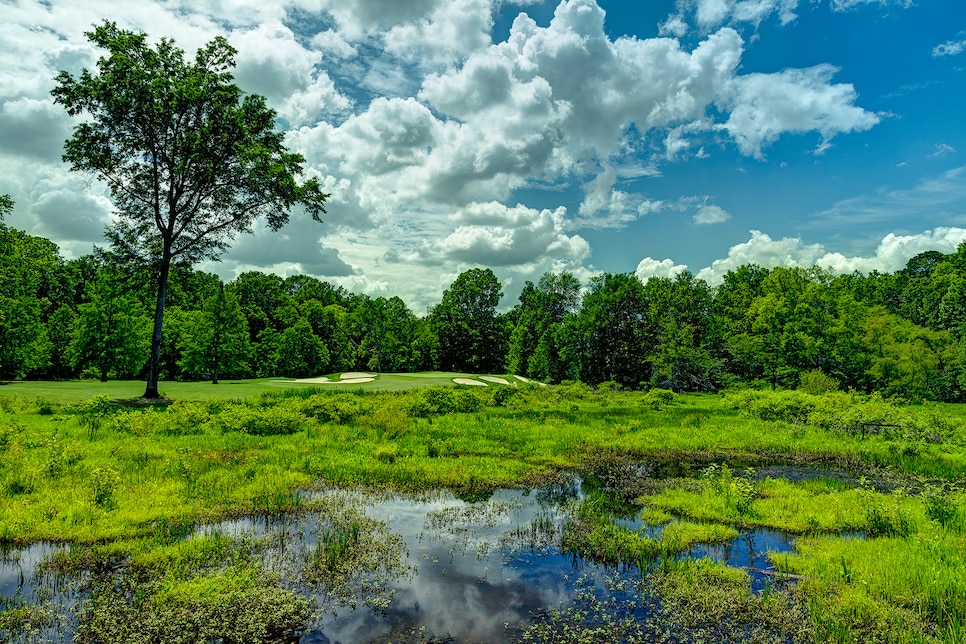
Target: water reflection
{"x": 476, "y": 571}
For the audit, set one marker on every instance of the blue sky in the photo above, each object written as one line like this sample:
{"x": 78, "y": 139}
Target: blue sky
{"x": 580, "y": 135}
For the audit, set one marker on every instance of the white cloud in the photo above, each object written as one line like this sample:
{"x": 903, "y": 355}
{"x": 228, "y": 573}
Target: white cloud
{"x": 649, "y": 267}
{"x": 711, "y": 215}
{"x": 451, "y": 32}
{"x": 949, "y": 48}
{"x": 599, "y": 194}
{"x": 891, "y": 254}
{"x": 408, "y": 112}
{"x": 361, "y": 17}
{"x": 942, "y": 149}
{"x": 764, "y": 251}
{"x": 842, "y": 5}
{"x": 491, "y": 234}
{"x": 33, "y": 128}
{"x": 764, "y": 106}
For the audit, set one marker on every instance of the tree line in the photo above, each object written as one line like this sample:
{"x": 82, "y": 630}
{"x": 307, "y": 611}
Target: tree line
{"x": 190, "y": 160}
{"x": 899, "y": 333}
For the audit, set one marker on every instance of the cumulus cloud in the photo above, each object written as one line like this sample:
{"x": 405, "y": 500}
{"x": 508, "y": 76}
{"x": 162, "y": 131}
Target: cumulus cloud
{"x": 650, "y": 267}
{"x": 298, "y": 246}
{"x": 764, "y": 106}
{"x": 491, "y": 234}
{"x": 449, "y": 33}
{"x": 70, "y": 212}
{"x": 711, "y": 215}
{"x": 33, "y": 128}
{"x": 423, "y": 128}
{"x": 891, "y": 254}
{"x": 361, "y": 17}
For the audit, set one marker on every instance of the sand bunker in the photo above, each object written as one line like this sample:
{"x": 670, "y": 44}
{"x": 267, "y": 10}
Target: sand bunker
{"x": 522, "y": 379}
{"x": 468, "y": 381}
{"x": 498, "y": 380}
{"x": 348, "y": 378}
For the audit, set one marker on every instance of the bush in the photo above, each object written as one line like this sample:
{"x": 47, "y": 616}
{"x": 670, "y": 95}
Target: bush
{"x": 659, "y": 399}
{"x": 440, "y": 399}
{"x": 339, "y": 409}
{"x": 104, "y": 483}
{"x": 817, "y": 382}
{"x": 262, "y": 421}
{"x": 789, "y": 406}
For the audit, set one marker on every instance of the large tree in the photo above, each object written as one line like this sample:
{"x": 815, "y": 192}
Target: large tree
{"x": 190, "y": 160}
{"x": 217, "y": 340}
{"x": 26, "y": 264}
{"x": 109, "y": 333}
{"x": 466, "y": 323}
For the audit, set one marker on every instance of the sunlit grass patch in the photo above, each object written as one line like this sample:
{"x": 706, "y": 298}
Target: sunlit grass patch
{"x": 712, "y": 602}
{"x": 237, "y": 604}
{"x": 888, "y": 589}
{"x": 817, "y": 505}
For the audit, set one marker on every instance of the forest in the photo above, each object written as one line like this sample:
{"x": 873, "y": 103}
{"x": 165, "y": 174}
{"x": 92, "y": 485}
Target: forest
{"x": 901, "y": 334}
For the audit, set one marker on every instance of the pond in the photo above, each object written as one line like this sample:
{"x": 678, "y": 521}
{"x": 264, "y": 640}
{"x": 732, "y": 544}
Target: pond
{"x": 435, "y": 567}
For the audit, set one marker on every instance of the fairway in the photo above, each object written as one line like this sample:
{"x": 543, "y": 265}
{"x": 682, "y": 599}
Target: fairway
{"x": 73, "y": 391}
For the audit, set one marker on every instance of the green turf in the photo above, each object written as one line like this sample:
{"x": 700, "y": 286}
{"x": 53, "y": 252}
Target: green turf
{"x": 73, "y": 391}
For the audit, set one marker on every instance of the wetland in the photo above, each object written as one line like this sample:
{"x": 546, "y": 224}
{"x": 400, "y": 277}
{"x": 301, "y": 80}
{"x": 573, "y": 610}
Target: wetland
{"x": 505, "y": 514}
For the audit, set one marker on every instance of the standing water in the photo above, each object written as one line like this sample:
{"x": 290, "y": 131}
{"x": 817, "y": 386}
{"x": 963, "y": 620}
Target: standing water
{"x": 429, "y": 568}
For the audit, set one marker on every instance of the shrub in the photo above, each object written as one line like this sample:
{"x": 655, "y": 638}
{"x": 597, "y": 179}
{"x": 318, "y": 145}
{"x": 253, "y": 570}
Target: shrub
{"x": 816, "y": 382}
{"x": 441, "y": 399}
{"x": 92, "y": 411}
{"x": 659, "y": 399}
{"x": 339, "y": 409}
{"x": 262, "y": 421}
{"x": 104, "y": 482}
{"x": 186, "y": 418}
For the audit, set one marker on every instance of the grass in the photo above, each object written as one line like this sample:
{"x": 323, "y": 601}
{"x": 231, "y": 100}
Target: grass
{"x": 127, "y": 481}
{"x": 74, "y": 391}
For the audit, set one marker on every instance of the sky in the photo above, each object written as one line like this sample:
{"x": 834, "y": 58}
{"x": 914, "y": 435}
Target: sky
{"x": 646, "y": 136}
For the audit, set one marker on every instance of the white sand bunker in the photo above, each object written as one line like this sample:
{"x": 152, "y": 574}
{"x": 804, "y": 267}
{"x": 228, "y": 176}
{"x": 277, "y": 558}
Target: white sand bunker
{"x": 522, "y": 379}
{"x": 469, "y": 381}
{"x": 355, "y": 375}
{"x": 497, "y": 379}
{"x": 348, "y": 378}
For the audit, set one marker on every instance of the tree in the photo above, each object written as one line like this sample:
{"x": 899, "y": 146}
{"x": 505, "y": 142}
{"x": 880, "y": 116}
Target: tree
{"x": 111, "y": 331}
{"x": 680, "y": 312}
{"x": 189, "y": 159}
{"x": 217, "y": 341}
{"x": 59, "y": 327}
{"x": 300, "y": 352}
{"x": 532, "y": 347}
{"x": 465, "y": 321}
{"x": 390, "y": 342}
{"x": 613, "y": 335}
{"x": 6, "y": 206}
{"x": 25, "y": 264}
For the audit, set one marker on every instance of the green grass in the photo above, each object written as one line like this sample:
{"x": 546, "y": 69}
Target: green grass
{"x": 73, "y": 391}
{"x": 127, "y": 480}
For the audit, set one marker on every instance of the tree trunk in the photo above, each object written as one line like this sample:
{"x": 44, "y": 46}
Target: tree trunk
{"x": 154, "y": 362}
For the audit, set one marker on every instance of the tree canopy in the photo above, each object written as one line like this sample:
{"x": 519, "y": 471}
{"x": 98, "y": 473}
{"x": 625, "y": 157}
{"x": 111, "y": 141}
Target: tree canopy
{"x": 189, "y": 159}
